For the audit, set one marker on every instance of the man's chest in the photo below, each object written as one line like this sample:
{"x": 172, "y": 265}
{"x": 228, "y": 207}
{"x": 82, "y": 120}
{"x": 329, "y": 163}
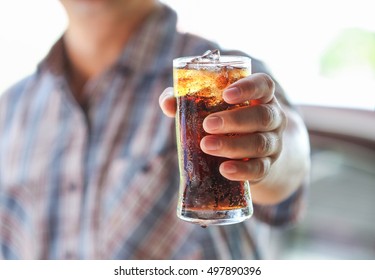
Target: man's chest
{"x": 98, "y": 179}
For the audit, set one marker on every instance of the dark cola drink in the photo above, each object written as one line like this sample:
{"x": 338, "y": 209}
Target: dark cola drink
{"x": 206, "y": 197}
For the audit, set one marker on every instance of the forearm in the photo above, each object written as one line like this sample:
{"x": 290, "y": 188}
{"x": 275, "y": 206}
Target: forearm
{"x": 291, "y": 168}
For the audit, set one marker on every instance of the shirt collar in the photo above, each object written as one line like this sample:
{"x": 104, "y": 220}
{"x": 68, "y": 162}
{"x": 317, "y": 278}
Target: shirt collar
{"x": 55, "y": 62}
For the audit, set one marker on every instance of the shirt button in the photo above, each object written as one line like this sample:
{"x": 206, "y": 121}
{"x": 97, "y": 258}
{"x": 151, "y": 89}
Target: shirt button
{"x": 69, "y": 256}
{"x": 72, "y": 187}
{"x": 146, "y": 168}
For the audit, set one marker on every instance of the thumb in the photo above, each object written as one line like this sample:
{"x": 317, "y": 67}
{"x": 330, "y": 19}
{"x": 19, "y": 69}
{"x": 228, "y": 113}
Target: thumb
{"x": 167, "y": 102}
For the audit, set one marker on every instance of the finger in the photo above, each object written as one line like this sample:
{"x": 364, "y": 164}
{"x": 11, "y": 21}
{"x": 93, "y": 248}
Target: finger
{"x": 253, "y": 145}
{"x": 262, "y": 117}
{"x": 167, "y": 102}
{"x": 257, "y": 86}
{"x": 252, "y": 170}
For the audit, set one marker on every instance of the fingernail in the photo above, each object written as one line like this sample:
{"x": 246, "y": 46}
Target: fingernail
{"x": 211, "y": 143}
{"x": 168, "y": 92}
{"x": 232, "y": 95}
{"x": 230, "y": 168}
{"x": 213, "y": 123}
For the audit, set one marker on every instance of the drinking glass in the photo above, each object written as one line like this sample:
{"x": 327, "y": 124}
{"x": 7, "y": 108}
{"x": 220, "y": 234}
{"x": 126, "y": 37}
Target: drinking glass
{"x": 205, "y": 196}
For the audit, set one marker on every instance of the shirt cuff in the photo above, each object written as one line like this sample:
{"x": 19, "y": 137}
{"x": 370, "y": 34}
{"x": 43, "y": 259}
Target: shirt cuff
{"x": 287, "y": 212}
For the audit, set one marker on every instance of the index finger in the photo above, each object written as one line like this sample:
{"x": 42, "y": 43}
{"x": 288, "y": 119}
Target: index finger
{"x": 258, "y": 86}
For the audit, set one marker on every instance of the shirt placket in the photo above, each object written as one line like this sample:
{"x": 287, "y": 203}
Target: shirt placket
{"x": 72, "y": 182}
{"x": 91, "y": 172}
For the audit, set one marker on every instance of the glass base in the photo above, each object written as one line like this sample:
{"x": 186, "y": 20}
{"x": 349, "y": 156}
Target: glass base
{"x": 205, "y": 218}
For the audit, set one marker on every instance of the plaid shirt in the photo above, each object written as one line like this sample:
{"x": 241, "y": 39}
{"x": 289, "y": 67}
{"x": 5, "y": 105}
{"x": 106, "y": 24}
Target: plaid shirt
{"x": 101, "y": 183}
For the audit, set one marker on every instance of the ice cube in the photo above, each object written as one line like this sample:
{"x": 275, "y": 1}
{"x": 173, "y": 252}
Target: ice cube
{"x": 208, "y": 56}
{"x": 213, "y": 55}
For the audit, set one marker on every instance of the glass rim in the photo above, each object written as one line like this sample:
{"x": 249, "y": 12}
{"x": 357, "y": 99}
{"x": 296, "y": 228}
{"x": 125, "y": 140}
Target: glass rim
{"x": 225, "y": 60}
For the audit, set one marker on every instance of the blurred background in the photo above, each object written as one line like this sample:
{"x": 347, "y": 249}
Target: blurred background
{"x": 323, "y": 54}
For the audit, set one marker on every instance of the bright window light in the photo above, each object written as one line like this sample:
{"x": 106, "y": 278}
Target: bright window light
{"x": 290, "y": 36}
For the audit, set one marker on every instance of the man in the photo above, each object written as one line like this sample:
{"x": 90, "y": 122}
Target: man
{"x": 88, "y": 166}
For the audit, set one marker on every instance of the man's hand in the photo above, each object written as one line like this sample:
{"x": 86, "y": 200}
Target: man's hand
{"x": 258, "y": 128}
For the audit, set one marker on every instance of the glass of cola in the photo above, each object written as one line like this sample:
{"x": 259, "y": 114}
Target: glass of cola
{"x": 205, "y": 196}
